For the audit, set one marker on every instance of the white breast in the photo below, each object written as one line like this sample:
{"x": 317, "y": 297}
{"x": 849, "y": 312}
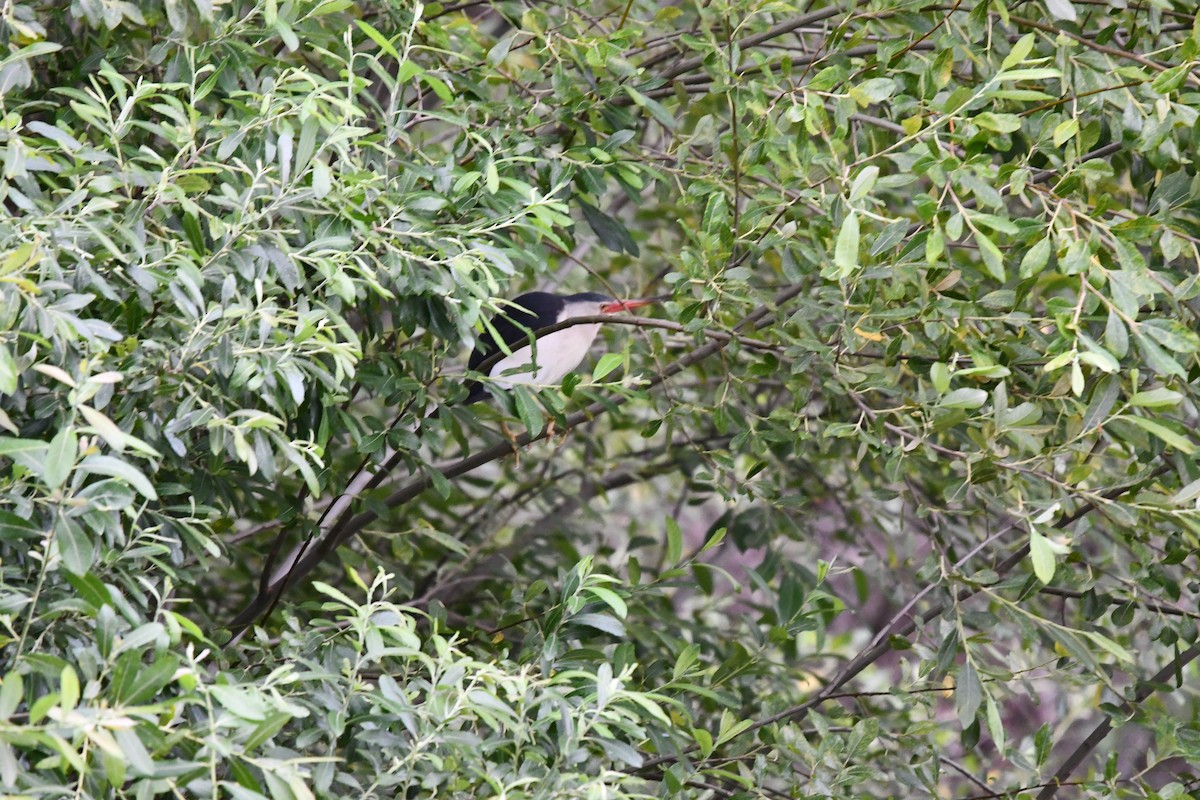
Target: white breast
{"x": 557, "y": 354}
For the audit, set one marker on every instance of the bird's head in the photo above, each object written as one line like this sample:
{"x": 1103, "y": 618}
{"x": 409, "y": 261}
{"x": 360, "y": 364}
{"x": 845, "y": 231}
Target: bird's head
{"x": 586, "y": 304}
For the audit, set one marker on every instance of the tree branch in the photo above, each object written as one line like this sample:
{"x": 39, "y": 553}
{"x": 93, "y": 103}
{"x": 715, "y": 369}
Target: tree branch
{"x": 753, "y": 41}
{"x": 1174, "y": 667}
{"x": 900, "y": 624}
{"x": 313, "y": 556}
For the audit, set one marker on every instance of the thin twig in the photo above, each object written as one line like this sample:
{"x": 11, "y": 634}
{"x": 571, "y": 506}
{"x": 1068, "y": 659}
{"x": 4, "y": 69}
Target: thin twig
{"x": 1173, "y": 668}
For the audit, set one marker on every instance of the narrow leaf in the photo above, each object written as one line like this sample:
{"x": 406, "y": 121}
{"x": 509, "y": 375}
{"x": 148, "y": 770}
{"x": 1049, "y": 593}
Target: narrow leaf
{"x": 845, "y": 253}
{"x": 116, "y": 468}
{"x": 60, "y": 458}
{"x": 964, "y": 398}
{"x": 1172, "y": 438}
{"x": 993, "y": 259}
{"x": 1042, "y": 555}
{"x": 968, "y": 693}
{"x": 528, "y": 410}
{"x": 674, "y": 543}
{"x": 607, "y": 363}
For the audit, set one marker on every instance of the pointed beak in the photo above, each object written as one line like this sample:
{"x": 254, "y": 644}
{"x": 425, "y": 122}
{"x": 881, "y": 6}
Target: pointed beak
{"x": 617, "y": 306}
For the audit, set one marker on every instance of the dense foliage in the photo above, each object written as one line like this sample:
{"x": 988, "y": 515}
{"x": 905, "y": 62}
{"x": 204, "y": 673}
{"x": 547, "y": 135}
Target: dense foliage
{"x": 898, "y": 498}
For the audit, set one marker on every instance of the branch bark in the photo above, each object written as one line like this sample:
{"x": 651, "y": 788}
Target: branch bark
{"x": 901, "y": 624}
{"x": 773, "y": 32}
{"x": 312, "y": 556}
{"x": 1174, "y": 667}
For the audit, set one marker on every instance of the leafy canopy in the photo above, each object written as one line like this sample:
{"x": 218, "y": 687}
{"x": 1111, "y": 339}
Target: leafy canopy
{"x": 897, "y": 497}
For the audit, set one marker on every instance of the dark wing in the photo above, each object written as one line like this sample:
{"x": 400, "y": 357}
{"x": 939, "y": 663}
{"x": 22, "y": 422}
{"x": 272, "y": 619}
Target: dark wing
{"x": 537, "y": 310}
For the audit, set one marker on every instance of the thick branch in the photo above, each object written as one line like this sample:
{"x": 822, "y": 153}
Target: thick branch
{"x": 901, "y": 624}
{"x": 314, "y": 555}
{"x": 1097, "y": 735}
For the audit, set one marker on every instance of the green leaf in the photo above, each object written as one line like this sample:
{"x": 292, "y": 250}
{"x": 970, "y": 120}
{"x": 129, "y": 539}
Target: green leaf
{"x": 116, "y": 468}
{"x": 439, "y": 482}
{"x": 1172, "y": 438}
{"x": 1065, "y": 131}
{"x": 935, "y": 244}
{"x": 439, "y": 86}
{"x": 19, "y": 259}
{"x": 607, "y": 363}
{"x": 674, "y": 543}
{"x": 336, "y": 594}
{"x": 1000, "y": 123}
{"x": 1104, "y": 397}
{"x": 964, "y": 398}
{"x": 1116, "y": 335}
{"x": 656, "y": 109}
{"x": 993, "y": 259}
{"x": 243, "y": 702}
{"x": 1171, "y": 334}
{"x": 601, "y": 622}
{"x": 500, "y": 49}
{"x": 1034, "y": 74}
{"x": 12, "y": 692}
{"x": 687, "y": 657}
{"x": 29, "y": 453}
{"x": 1035, "y": 259}
{"x": 1061, "y": 9}
{"x": 939, "y": 375}
{"x": 1156, "y": 398}
{"x": 1171, "y": 79}
{"x": 611, "y": 233}
{"x": 714, "y": 540}
{"x": 134, "y": 752}
{"x": 968, "y": 693}
{"x": 1099, "y": 358}
{"x": 9, "y": 372}
{"x": 995, "y": 724}
{"x": 322, "y": 179}
{"x": 874, "y": 90}
{"x": 491, "y": 180}
{"x": 113, "y": 436}
{"x": 1157, "y": 358}
{"x": 384, "y": 44}
{"x": 60, "y": 457}
{"x": 528, "y": 410}
{"x": 610, "y": 599}
{"x": 68, "y": 688}
{"x": 14, "y": 528}
{"x": 90, "y": 589}
{"x": 1112, "y": 647}
{"x": 1186, "y": 494}
{"x": 845, "y": 253}
{"x": 1041, "y": 553}
{"x": 864, "y": 182}
{"x": 1019, "y": 52}
{"x": 76, "y": 547}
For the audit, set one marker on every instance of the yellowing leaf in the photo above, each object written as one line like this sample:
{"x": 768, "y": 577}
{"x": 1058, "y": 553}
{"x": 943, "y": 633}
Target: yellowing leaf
{"x": 869, "y": 335}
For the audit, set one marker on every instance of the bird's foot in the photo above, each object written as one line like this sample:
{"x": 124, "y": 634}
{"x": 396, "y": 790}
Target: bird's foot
{"x": 507, "y": 433}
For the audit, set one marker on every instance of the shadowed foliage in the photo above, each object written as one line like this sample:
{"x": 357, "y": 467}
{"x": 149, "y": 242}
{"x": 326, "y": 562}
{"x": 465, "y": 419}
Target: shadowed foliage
{"x": 895, "y": 494}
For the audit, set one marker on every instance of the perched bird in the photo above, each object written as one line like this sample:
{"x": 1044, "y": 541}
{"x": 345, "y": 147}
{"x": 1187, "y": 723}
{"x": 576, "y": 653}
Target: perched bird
{"x": 539, "y": 360}
{"x": 557, "y": 354}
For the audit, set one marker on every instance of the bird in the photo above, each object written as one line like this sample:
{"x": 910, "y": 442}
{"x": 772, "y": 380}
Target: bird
{"x": 558, "y": 353}
{"x": 521, "y": 356}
